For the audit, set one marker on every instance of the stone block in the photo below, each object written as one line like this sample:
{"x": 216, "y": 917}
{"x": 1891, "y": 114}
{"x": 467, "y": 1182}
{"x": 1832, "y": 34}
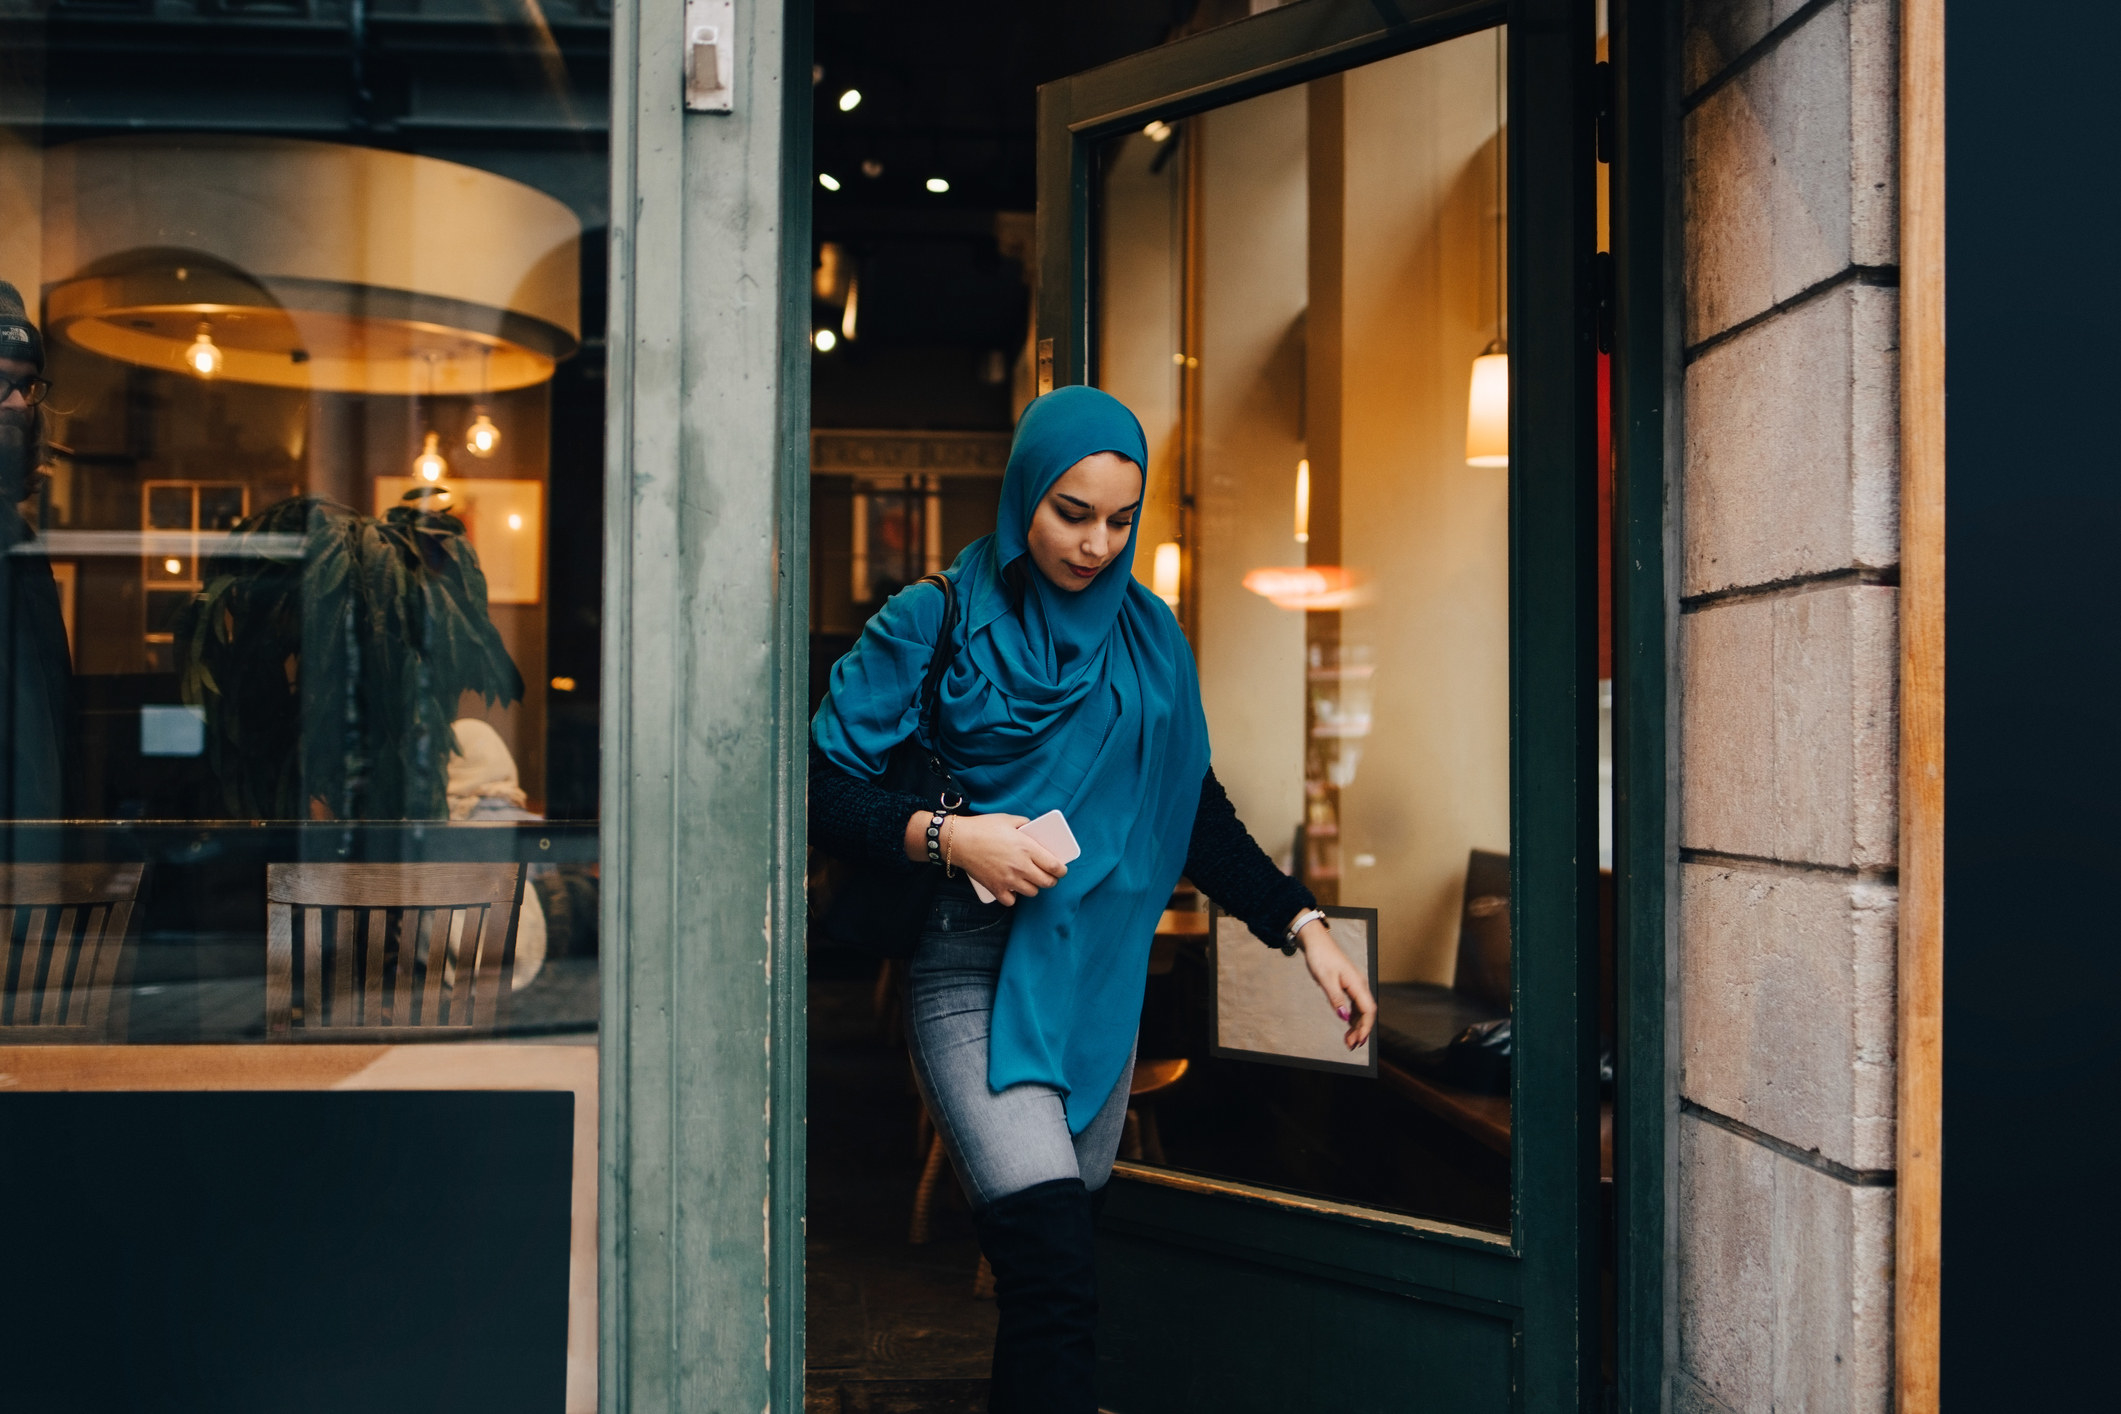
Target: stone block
{"x": 1789, "y": 165}
{"x": 1719, "y": 32}
{"x": 1786, "y": 1006}
{"x": 1788, "y": 726}
{"x": 1785, "y": 1280}
{"x": 1689, "y": 1397}
{"x": 1792, "y": 445}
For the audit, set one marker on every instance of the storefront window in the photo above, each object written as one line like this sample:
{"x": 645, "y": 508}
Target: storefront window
{"x": 299, "y": 616}
{"x": 1304, "y": 296}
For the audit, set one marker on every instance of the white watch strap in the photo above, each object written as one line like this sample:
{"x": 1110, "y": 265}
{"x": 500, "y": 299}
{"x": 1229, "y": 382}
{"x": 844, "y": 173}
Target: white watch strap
{"x": 1303, "y": 920}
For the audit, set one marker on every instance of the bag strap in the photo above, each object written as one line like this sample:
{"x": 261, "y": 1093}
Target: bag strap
{"x": 932, "y": 682}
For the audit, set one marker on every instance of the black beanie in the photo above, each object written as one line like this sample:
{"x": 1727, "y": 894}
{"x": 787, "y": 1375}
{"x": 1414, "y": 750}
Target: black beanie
{"x": 18, "y": 337}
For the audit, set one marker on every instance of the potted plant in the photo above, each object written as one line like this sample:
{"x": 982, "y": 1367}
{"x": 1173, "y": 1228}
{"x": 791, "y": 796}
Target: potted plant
{"x": 328, "y": 651}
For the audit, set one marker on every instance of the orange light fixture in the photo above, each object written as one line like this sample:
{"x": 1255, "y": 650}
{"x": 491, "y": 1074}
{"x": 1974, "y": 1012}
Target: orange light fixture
{"x": 1306, "y": 586}
{"x": 1488, "y": 409}
{"x": 1163, "y": 574}
{"x": 429, "y": 465}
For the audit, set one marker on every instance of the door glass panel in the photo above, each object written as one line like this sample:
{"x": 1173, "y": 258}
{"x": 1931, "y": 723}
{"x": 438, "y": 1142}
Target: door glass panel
{"x": 1292, "y": 292}
{"x": 299, "y": 644}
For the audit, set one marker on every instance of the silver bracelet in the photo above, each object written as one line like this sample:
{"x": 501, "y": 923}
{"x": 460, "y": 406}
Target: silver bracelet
{"x": 1303, "y": 920}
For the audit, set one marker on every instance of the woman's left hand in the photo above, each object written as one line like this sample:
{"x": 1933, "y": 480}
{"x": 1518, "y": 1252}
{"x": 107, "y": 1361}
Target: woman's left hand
{"x": 1347, "y": 989}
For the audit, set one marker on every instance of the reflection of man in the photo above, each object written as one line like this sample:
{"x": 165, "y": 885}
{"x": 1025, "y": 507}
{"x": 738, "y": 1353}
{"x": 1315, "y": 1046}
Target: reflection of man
{"x": 33, "y": 658}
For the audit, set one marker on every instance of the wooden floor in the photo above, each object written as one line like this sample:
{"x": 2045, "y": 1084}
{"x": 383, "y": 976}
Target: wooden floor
{"x": 892, "y": 1328}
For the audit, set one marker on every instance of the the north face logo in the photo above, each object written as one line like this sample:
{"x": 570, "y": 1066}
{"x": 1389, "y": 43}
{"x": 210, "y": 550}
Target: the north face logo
{"x": 14, "y": 335}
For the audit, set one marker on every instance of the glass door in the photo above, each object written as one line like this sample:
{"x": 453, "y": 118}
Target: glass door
{"x": 1341, "y": 270}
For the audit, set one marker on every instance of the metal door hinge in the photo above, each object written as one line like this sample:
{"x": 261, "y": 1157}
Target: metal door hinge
{"x": 1603, "y": 95}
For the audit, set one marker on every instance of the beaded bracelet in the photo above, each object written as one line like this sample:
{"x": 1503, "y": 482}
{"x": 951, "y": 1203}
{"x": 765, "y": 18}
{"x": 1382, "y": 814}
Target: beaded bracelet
{"x": 935, "y": 837}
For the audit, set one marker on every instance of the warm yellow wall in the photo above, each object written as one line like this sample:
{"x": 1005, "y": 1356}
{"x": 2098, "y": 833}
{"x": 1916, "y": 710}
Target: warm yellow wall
{"x": 1253, "y": 296}
{"x": 1430, "y": 533}
{"x": 1139, "y": 278}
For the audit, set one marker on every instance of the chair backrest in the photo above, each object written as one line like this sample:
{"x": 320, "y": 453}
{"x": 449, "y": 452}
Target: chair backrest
{"x": 1484, "y": 929}
{"x": 69, "y": 929}
{"x": 388, "y": 951}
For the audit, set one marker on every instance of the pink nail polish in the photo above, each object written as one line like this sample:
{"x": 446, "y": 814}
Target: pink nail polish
{"x": 1341, "y": 1012}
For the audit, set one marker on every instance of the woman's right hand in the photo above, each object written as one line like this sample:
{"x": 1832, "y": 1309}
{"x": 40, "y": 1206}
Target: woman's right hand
{"x": 1012, "y": 865}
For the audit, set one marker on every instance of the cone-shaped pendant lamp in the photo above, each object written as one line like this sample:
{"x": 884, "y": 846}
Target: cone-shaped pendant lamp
{"x": 1488, "y": 397}
{"x": 1488, "y": 408}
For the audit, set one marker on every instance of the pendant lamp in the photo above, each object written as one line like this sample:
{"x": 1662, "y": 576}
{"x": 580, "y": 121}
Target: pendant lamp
{"x": 1163, "y": 573}
{"x": 1488, "y": 395}
{"x": 1488, "y": 408}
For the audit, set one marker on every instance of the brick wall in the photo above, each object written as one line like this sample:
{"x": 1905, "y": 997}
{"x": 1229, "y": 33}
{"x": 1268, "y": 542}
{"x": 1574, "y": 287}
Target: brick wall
{"x": 1788, "y": 646}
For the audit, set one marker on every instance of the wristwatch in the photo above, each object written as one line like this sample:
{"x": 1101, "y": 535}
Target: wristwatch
{"x": 1303, "y": 920}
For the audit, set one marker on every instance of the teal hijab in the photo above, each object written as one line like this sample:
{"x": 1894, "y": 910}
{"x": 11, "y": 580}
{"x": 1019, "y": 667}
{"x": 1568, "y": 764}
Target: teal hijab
{"x": 1085, "y": 701}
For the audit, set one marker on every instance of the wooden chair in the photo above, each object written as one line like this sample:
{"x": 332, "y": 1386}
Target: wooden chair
{"x": 1140, "y": 1139}
{"x": 379, "y": 952}
{"x": 66, "y": 951}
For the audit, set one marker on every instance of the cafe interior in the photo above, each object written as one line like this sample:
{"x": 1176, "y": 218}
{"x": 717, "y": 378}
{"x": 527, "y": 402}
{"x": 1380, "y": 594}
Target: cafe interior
{"x": 1304, "y": 298}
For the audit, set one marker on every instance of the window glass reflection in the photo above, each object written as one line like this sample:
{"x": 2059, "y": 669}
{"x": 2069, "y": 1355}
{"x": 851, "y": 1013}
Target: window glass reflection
{"x": 1293, "y": 293}
{"x": 301, "y": 439}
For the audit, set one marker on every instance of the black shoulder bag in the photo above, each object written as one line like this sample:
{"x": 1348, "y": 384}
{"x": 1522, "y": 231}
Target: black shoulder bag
{"x": 882, "y": 907}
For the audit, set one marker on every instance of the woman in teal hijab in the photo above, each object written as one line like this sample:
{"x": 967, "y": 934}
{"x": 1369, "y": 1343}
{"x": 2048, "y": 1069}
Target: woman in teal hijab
{"x": 1070, "y": 686}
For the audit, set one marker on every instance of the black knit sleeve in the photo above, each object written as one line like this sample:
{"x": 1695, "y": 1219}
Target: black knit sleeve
{"x": 1226, "y": 864}
{"x": 856, "y": 820}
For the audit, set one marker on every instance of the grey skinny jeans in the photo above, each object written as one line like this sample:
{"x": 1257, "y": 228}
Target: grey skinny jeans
{"x": 999, "y": 1143}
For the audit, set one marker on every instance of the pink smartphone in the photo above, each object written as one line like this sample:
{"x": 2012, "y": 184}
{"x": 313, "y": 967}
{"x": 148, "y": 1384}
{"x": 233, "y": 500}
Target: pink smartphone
{"x": 1051, "y": 831}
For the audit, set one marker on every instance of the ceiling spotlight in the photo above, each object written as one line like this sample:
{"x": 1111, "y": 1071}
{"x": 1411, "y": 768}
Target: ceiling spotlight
{"x": 871, "y": 168}
{"x": 825, "y": 340}
{"x": 1158, "y": 131}
{"x": 828, "y": 181}
{"x": 850, "y": 100}
{"x": 428, "y": 466}
{"x": 482, "y": 439}
{"x": 204, "y": 356}
{"x": 938, "y": 185}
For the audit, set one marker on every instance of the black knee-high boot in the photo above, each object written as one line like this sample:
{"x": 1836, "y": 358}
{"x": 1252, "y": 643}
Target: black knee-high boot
{"x": 1040, "y": 1243}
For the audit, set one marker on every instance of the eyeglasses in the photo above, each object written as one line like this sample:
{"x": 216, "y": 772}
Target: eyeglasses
{"x": 32, "y": 389}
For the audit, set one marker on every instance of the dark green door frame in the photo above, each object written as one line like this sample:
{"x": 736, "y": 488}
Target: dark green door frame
{"x": 1323, "y": 1267}
{"x": 1646, "y": 213}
